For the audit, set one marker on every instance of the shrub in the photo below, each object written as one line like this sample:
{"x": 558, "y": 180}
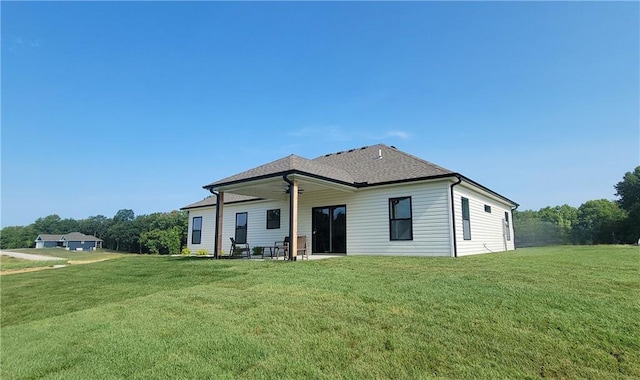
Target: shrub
{"x": 186, "y": 251}
{"x": 202, "y": 252}
{"x": 257, "y": 251}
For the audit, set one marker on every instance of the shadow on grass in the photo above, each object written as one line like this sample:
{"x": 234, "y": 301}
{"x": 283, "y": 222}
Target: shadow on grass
{"x": 206, "y": 258}
{"x": 39, "y": 295}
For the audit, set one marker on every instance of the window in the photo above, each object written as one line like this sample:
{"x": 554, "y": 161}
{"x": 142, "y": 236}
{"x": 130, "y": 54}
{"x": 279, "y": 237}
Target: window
{"x": 487, "y": 208}
{"x": 241, "y": 228}
{"x": 196, "y": 230}
{"x": 400, "y": 222}
{"x": 273, "y": 219}
{"x": 507, "y": 231}
{"x": 466, "y": 222}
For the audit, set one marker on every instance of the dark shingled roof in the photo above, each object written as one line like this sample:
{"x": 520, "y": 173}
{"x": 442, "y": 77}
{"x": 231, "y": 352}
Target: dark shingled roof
{"x": 77, "y": 236}
{"x": 49, "y": 237}
{"x": 360, "y": 167}
{"x": 285, "y": 165}
{"x": 381, "y": 164}
{"x": 353, "y": 167}
{"x": 72, "y": 236}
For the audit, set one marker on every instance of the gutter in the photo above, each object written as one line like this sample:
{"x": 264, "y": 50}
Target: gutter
{"x": 215, "y": 240}
{"x": 513, "y": 227}
{"x": 453, "y": 215}
{"x": 290, "y": 182}
{"x": 277, "y": 174}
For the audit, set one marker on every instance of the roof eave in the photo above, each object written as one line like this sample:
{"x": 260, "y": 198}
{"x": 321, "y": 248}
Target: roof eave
{"x": 226, "y": 203}
{"x": 440, "y": 176}
{"x": 215, "y": 186}
{"x": 406, "y": 180}
{"x": 486, "y": 189}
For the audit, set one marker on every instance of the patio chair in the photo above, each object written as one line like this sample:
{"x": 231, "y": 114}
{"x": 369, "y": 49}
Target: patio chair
{"x": 302, "y": 247}
{"x": 238, "y": 249}
{"x": 282, "y": 245}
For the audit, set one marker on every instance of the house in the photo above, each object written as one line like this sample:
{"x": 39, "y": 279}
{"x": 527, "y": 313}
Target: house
{"x": 74, "y": 241}
{"x": 374, "y": 200}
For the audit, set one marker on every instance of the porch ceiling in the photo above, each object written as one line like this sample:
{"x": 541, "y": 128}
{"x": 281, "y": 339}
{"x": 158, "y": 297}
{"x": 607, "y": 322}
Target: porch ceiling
{"x": 276, "y": 187}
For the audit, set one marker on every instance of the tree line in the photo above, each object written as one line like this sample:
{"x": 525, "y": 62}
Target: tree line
{"x": 159, "y": 233}
{"x": 600, "y": 221}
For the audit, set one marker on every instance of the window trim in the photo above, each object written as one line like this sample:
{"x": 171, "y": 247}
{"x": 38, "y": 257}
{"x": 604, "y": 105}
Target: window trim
{"x": 466, "y": 227}
{"x": 487, "y": 209}
{"x": 506, "y": 221}
{"x": 392, "y": 219}
{"x": 193, "y": 230}
{"x": 246, "y": 228}
{"x": 278, "y": 221}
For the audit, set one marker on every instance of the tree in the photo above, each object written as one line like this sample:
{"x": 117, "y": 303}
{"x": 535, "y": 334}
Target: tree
{"x": 629, "y": 192}
{"x": 532, "y": 231}
{"x": 49, "y": 225}
{"x": 599, "y": 222}
{"x": 17, "y": 237}
{"x": 68, "y": 225}
{"x": 122, "y": 234}
{"x": 124, "y": 215}
{"x": 162, "y": 241}
{"x": 162, "y": 232}
{"x": 95, "y": 225}
{"x": 564, "y": 217}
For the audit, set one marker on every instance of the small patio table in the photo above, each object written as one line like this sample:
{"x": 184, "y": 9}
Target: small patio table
{"x": 272, "y": 249}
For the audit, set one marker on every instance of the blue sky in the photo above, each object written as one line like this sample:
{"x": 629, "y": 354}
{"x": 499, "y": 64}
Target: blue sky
{"x": 138, "y": 105}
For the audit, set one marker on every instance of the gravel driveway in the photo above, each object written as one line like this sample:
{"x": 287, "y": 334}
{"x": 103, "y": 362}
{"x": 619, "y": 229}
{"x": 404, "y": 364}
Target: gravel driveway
{"x": 29, "y": 256}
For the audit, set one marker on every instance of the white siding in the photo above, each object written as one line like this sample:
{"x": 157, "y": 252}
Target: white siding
{"x": 208, "y": 222}
{"x": 487, "y": 233}
{"x": 368, "y": 220}
{"x": 257, "y": 232}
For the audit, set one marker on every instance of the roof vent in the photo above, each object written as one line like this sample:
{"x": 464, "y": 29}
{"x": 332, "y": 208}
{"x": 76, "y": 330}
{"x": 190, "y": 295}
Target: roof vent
{"x": 364, "y": 147}
{"x": 339, "y": 152}
{"x": 351, "y": 150}
{"x": 379, "y": 154}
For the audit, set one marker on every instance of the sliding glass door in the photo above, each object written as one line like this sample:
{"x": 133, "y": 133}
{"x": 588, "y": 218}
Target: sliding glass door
{"x": 329, "y": 226}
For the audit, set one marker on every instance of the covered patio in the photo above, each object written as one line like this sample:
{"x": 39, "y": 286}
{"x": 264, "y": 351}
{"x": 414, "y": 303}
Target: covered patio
{"x": 285, "y": 179}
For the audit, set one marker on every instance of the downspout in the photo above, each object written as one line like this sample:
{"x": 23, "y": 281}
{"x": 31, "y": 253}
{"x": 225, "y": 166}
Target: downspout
{"x": 453, "y": 216}
{"x": 215, "y": 240}
{"x": 290, "y": 182}
{"x": 513, "y": 227}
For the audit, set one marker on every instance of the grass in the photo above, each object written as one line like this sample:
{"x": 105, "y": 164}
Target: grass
{"x": 11, "y": 263}
{"x": 561, "y": 312}
{"x": 8, "y": 264}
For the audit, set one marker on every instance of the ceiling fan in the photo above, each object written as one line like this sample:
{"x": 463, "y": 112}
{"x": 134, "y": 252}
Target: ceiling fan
{"x": 287, "y": 190}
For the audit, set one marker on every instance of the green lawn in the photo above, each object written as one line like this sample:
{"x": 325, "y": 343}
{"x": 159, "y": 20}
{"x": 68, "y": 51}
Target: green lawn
{"x": 11, "y": 263}
{"x": 562, "y": 312}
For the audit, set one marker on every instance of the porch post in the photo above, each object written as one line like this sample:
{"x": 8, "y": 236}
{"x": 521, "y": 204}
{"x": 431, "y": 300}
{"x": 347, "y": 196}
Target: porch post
{"x": 293, "y": 238}
{"x": 218, "y": 230}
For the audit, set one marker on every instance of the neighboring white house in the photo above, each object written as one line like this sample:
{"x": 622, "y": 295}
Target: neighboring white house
{"x": 374, "y": 200}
